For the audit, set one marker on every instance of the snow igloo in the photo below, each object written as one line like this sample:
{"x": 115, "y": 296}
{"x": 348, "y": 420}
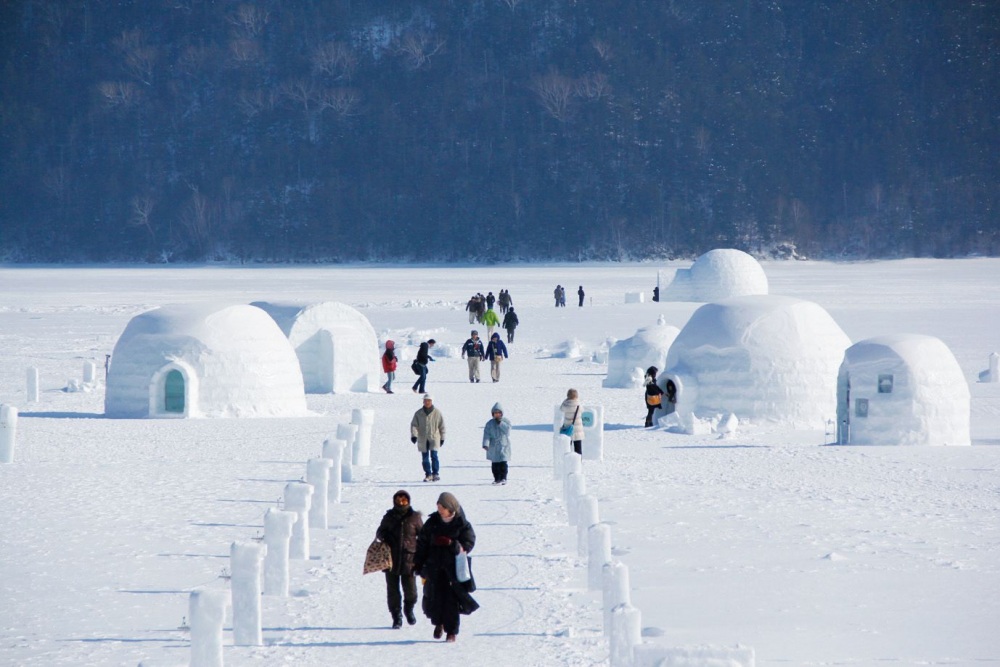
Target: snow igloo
{"x": 904, "y": 389}
{"x": 336, "y": 345}
{"x": 718, "y": 274}
{"x": 203, "y": 361}
{"x": 648, "y": 347}
{"x": 765, "y": 357}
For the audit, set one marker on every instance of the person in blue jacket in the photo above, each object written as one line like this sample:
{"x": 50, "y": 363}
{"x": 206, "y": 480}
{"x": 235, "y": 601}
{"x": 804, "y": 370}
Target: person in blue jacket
{"x": 496, "y": 442}
{"x": 496, "y": 352}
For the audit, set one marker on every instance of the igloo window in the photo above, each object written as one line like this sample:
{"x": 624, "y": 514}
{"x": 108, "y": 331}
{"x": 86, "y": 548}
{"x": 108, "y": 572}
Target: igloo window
{"x": 173, "y": 392}
{"x": 861, "y": 407}
{"x": 885, "y": 384}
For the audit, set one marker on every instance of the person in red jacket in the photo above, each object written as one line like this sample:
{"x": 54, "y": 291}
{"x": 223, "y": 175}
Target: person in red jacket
{"x": 389, "y": 365}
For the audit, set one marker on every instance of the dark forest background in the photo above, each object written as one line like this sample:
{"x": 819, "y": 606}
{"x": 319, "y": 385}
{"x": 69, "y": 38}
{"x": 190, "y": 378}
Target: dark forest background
{"x": 479, "y": 130}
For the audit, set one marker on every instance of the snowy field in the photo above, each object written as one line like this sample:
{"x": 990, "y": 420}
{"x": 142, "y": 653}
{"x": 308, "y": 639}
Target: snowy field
{"x": 810, "y": 554}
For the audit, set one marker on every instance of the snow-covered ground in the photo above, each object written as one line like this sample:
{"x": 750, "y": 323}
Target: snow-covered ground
{"x": 810, "y": 554}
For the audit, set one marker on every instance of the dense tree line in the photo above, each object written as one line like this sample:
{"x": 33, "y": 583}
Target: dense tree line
{"x": 443, "y": 130}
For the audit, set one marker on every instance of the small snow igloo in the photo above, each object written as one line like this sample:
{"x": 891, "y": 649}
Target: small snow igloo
{"x": 204, "y": 361}
{"x": 718, "y": 274}
{"x": 336, "y": 345}
{"x": 648, "y": 347}
{"x": 764, "y": 357}
{"x": 903, "y": 389}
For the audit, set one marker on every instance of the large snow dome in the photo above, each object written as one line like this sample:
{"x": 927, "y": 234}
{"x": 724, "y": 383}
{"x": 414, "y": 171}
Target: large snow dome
{"x": 336, "y": 345}
{"x": 760, "y": 357}
{"x": 718, "y": 274}
{"x": 904, "y": 389}
{"x": 648, "y": 347}
{"x": 204, "y": 361}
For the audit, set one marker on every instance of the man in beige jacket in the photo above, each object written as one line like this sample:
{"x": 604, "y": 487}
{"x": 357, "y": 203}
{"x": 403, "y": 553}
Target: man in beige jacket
{"x": 427, "y": 433}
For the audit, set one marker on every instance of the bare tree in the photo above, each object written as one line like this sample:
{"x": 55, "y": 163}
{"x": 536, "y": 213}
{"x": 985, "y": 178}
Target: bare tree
{"x": 249, "y": 20}
{"x": 142, "y": 207}
{"x": 342, "y": 101}
{"x": 253, "y": 102}
{"x": 244, "y": 52}
{"x": 554, "y": 93}
{"x": 302, "y": 91}
{"x": 512, "y": 3}
{"x": 335, "y": 59}
{"x": 139, "y": 58}
{"x": 593, "y": 86}
{"x": 602, "y": 47}
{"x": 701, "y": 139}
{"x": 417, "y": 47}
{"x": 199, "y": 219}
{"x": 118, "y": 94}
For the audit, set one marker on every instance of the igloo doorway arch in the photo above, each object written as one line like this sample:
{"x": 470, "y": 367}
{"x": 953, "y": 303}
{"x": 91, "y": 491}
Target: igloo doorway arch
{"x": 336, "y": 346}
{"x": 173, "y": 390}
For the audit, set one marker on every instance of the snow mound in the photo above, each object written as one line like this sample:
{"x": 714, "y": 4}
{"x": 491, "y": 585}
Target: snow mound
{"x": 336, "y": 345}
{"x": 718, "y": 274}
{"x": 205, "y": 360}
{"x": 648, "y": 347}
{"x": 903, "y": 389}
{"x": 771, "y": 358}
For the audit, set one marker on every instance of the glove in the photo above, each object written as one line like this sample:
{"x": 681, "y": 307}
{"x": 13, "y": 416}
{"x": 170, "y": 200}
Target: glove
{"x": 442, "y": 442}
{"x": 413, "y": 439}
{"x": 442, "y": 541}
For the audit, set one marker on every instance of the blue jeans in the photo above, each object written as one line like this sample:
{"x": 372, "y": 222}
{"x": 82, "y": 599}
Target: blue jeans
{"x": 430, "y": 461}
{"x": 418, "y": 386}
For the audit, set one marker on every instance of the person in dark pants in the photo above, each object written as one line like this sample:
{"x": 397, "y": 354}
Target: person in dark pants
{"x": 446, "y": 534}
{"x": 496, "y": 442}
{"x": 510, "y": 323}
{"x": 420, "y": 364}
{"x": 399, "y": 529}
{"x": 579, "y": 293}
{"x": 653, "y": 394}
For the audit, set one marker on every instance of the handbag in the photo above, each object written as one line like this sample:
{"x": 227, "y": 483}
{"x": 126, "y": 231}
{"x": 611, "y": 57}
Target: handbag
{"x": 415, "y": 367}
{"x": 653, "y": 400}
{"x": 568, "y": 428}
{"x": 378, "y": 558}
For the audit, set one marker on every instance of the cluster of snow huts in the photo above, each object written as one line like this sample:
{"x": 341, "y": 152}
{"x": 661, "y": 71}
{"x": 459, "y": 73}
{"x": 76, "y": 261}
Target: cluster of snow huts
{"x": 254, "y": 360}
{"x": 764, "y": 357}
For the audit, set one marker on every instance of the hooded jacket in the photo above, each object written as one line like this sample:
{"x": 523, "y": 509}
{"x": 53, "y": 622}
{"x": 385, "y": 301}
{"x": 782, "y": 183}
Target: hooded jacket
{"x": 496, "y": 437}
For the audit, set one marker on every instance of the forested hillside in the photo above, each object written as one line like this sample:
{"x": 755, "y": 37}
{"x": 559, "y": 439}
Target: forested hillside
{"x": 451, "y": 130}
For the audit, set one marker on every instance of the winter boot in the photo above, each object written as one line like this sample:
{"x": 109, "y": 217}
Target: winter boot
{"x": 438, "y": 631}
{"x": 410, "y": 618}
{"x": 450, "y": 638}
{"x": 397, "y": 621}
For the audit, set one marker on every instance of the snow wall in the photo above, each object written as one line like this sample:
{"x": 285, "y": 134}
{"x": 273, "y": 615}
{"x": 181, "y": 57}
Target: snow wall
{"x": 336, "y": 345}
{"x": 648, "y": 347}
{"x": 903, "y": 389}
{"x": 205, "y": 360}
{"x": 772, "y": 358}
{"x": 718, "y": 274}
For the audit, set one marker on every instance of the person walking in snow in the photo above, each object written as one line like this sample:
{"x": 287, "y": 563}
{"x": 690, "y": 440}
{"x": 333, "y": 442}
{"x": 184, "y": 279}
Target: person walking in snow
{"x": 473, "y": 308}
{"x": 399, "y": 529}
{"x": 496, "y": 442}
{"x": 427, "y": 433}
{"x": 480, "y": 308}
{"x": 473, "y": 351}
{"x": 420, "y": 366}
{"x": 496, "y": 352}
{"x": 653, "y": 394}
{"x": 446, "y": 534}
{"x": 490, "y": 300}
{"x": 491, "y": 320}
{"x": 571, "y": 415}
{"x": 579, "y": 293}
{"x": 389, "y": 362}
{"x": 556, "y": 293}
{"x": 504, "y": 301}
{"x": 510, "y": 323}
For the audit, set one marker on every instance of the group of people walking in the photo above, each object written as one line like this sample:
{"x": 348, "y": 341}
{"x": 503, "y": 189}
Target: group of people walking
{"x": 560, "y": 295}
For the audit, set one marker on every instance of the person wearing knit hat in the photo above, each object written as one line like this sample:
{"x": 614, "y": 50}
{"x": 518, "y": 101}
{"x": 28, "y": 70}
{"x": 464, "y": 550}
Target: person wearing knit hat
{"x": 399, "y": 529}
{"x": 446, "y": 535}
{"x": 496, "y": 443}
{"x": 496, "y": 352}
{"x": 473, "y": 351}
{"x": 427, "y": 433}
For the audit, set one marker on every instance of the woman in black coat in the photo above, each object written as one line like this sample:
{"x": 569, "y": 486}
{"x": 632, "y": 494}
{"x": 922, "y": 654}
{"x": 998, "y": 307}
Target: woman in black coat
{"x": 420, "y": 365}
{"x": 399, "y": 529}
{"x": 445, "y": 534}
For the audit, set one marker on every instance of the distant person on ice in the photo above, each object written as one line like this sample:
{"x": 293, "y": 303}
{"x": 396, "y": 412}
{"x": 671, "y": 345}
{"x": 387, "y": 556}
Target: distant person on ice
{"x": 490, "y": 300}
{"x": 510, "y": 323}
{"x": 505, "y": 301}
{"x": 579, "y": 293}
{"x": 446, "y": 534}
{"x": 420, "y": 366}
{"x": 496, "y": 442}
{"x": 473, "y": 308}
{"x": 496, "y": 352}
{"x": 473, "y": 351}
{"x": 399, "y": 529}
{"x": 571, "y": 415}
{"x": 389, "y": 361}
{"x": 491, "y": 320}
{"x": 557, "y": 294}
{"x": 653, "y": 394}
{"x": 427, "y": 433}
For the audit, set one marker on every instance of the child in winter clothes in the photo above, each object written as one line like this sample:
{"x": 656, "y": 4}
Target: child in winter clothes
{"x": 389, "y": 360}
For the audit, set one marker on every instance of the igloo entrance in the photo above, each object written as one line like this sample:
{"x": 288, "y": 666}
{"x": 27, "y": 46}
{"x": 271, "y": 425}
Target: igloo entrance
{"x": 173, "y": 392}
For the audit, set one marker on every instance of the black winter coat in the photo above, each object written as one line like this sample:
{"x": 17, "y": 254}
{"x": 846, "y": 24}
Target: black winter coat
{"x": 400, "y": 531}
{"x": 436, "y": 563}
